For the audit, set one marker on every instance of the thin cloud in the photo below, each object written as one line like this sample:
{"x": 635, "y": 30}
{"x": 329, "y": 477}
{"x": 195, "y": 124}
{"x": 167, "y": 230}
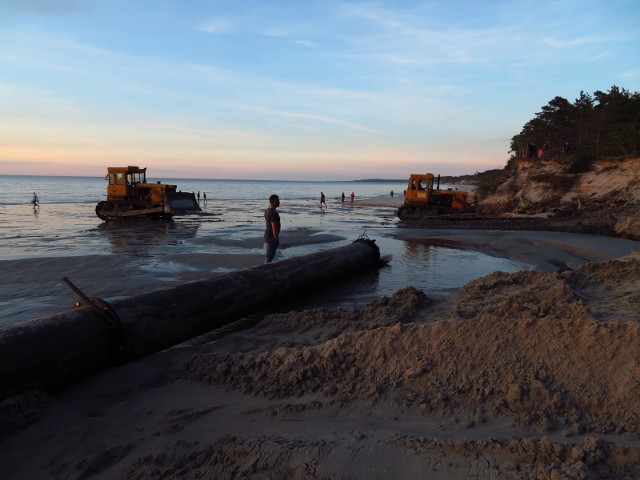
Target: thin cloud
{"x": 308, "y": 116}
{"x": 217, "y": 26}
{"x": 376, "y": 15}
{"x": 93, "y": 142}
{"x": 421, "y": 41}
{"x": 41, "y": 8}
{"x": 332, "y": 121}
{"x": 275, "y": 33}
{"x": 420, "y": 37}
{"x": 306, "y": 43}
{"x": 40, "y": 100}
{"x": 568, "y": 43}
{"x": 393, "y": 58}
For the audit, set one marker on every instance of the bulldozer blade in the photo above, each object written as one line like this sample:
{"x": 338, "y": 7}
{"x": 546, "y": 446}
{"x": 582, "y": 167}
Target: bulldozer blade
{"x": 182, "y": 202}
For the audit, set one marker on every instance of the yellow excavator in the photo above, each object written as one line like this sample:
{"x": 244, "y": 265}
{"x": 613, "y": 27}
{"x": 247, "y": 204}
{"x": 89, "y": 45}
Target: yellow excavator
{"x": 422, "y": 198}
{"x": 129, "y": 196}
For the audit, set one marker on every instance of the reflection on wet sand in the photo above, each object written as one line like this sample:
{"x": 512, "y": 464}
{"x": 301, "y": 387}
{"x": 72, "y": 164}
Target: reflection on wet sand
{"x": 422, "y": 258}
{"x": 137, "y": 238}
{"x": 416, "y": 252}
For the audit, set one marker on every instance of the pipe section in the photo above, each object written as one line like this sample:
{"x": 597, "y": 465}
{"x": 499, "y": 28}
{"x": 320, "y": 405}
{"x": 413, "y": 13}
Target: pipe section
{"x": 53, "y": 352}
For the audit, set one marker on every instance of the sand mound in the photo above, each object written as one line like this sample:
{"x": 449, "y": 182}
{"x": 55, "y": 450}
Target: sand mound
{"x": 534, "y": 347}
{"x": 544, "y": 359}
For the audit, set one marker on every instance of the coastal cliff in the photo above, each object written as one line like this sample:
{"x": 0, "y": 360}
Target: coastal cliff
{"x": 605, "y": 199}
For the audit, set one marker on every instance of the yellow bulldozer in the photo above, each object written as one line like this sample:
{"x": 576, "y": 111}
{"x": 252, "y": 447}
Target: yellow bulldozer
{"x": 422, "y": 198}
{"x": 129, "y": 196}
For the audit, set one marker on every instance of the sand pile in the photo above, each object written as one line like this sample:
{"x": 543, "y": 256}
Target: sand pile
{"x": 524, "y": 375}
{"x": 534, "y": 347}
{"x": 534, "y": 351}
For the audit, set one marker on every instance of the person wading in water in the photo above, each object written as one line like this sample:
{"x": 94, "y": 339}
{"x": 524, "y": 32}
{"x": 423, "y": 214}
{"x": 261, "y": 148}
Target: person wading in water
{"x": 272, "y": 228}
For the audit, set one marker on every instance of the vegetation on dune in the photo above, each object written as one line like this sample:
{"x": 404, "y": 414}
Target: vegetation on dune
{"x": 602, "y": 125}
{"x": 606, "y": 124}
{"x": 487, "y": 181}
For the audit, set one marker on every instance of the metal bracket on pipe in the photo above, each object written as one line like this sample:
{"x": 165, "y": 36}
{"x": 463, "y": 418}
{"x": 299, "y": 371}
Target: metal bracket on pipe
{"x": 372, "y": 243}
{"x": 106, "y": 312}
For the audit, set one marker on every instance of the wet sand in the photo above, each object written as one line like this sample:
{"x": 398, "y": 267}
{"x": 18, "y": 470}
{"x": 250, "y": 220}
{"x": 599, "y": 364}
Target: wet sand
{"x": 30, "y": 288}
{"x": 548, "y": 251}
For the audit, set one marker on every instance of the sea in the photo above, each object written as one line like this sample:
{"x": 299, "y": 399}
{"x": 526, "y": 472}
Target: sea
{"x": 65, "y": 226}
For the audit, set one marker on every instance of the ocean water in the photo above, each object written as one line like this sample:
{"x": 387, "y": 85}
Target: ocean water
{"x": 66, "y": 224}
{"x": 232, "y": 222}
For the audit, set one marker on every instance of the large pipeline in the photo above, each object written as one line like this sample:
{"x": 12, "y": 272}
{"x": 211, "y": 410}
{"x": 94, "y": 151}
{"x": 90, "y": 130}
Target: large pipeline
{"x": 53, "y": 352}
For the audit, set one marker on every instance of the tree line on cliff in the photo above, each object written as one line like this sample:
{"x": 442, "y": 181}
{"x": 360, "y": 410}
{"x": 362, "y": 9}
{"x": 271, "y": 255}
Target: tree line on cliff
{"x": 602, "y": 125}
{"x": 605, "y": 124}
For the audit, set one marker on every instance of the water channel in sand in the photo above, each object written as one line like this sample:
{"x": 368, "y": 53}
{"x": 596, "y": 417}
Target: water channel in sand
{"x": 148, "y": 255}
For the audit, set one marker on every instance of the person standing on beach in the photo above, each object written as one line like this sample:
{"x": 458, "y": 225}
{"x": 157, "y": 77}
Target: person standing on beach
{"x": 204, "y": 197}
{"x": 35, "y": 200}
{"x": 353, "y": 195}
{"x": 198, "y": 196}
{"x": 272, "y": 230}
{"x": 322, "y": 200}
{"x": 342, "y": 197}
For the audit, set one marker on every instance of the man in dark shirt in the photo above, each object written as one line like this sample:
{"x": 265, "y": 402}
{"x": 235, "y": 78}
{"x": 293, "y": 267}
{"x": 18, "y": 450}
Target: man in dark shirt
{"x": 272, "y": 230}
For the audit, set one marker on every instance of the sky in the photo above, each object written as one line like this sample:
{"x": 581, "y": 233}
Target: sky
{"x": 295, "y": 90}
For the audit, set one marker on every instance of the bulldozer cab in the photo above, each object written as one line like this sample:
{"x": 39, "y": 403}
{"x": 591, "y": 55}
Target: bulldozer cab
{"x": 420, "y": 188}
{"x": 130, "y": 183}
{"x": 123, "y": 181}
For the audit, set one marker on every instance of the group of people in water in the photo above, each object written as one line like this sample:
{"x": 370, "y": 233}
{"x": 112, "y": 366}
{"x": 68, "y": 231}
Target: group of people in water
{"x": 204, "y": 197}
{"x": 323, "y": 199}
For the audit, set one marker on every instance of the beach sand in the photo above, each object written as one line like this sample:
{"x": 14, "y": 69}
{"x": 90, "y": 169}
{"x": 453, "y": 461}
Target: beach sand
{"x": 533, "y": 374}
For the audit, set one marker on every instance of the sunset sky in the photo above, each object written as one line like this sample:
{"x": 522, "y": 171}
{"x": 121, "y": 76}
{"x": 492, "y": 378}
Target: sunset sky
{"x": 295, "y": 90}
